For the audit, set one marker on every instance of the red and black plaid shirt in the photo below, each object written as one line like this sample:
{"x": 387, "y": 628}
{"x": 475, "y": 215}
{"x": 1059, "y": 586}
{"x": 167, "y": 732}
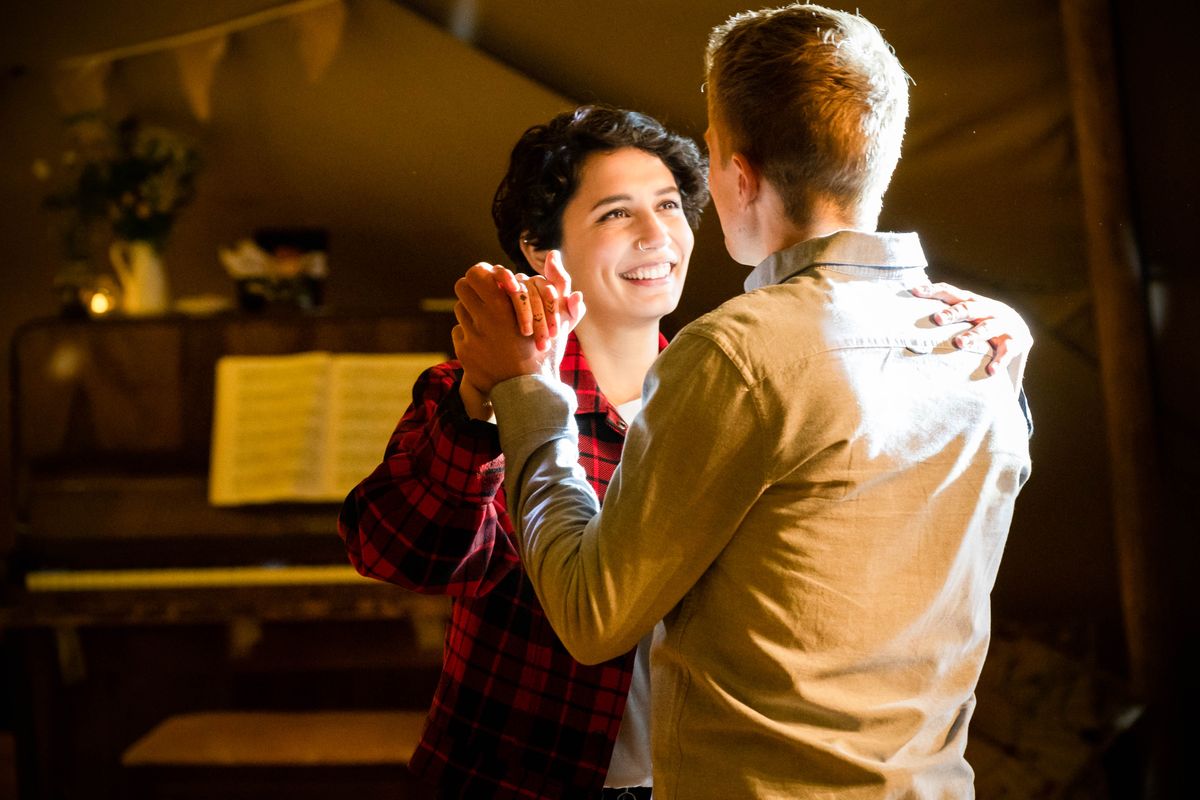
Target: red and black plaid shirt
{"x": 513, "y": 716}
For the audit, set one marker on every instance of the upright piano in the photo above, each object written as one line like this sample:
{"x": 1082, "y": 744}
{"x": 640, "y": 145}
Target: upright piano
{"x": 128, "y": 597}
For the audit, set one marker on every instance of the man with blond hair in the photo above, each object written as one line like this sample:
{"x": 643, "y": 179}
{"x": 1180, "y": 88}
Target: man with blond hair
{"x": 816, "y": 495}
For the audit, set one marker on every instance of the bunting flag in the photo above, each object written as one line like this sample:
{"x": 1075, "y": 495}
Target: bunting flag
{"x": 319, "y": 32}
{"x": 197, "y": 66}
{"x": 80, "y": 83}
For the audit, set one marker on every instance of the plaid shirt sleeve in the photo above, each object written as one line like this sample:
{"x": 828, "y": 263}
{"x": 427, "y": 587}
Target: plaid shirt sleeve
{"x": 431, "y": 517}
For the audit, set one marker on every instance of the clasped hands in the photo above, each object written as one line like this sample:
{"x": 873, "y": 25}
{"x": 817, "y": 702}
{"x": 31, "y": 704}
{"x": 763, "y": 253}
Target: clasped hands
{"x": 509, "y": 325}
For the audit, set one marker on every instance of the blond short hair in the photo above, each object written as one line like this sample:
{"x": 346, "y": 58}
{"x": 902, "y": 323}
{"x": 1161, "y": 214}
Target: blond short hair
{"x": 815, "y": 99}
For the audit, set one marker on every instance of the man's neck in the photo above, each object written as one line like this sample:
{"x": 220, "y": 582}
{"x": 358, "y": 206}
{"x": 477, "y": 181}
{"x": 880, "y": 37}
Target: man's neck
{"x": 823, "y": 220}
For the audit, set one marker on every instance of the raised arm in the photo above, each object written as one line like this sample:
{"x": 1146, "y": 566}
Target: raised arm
{"x": 605, "y": 577}
{"x": 431, "y": 517}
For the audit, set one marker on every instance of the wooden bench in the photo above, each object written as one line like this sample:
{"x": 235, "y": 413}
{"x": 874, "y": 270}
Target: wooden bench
{"x": 240, "y": 755}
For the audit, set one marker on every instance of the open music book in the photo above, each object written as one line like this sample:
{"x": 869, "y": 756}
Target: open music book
{"x": 305, "y": 427}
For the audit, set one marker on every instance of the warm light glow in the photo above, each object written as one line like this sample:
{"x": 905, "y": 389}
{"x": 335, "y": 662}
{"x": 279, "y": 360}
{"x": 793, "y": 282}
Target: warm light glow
{"x": 100, "y": 303}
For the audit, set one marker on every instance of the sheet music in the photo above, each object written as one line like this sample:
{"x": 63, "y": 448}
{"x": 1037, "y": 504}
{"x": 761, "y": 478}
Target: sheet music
{"x": 305, "y": 427}
{"x": 369, "y": 393}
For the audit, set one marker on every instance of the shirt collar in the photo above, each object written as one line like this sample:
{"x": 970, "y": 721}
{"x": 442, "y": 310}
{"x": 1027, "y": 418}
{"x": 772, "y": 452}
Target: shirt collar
{"x": 875, "y": 251}
{"x": 576, "y": 373}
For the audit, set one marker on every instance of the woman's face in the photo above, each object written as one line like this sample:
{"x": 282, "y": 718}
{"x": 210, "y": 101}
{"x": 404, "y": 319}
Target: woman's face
{"x": 625, "y": 239}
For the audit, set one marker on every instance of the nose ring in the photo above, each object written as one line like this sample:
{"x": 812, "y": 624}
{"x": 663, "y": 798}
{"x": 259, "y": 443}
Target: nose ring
{"x": 639, "y": 246}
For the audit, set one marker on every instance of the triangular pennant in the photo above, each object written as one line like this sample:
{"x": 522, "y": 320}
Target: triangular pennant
{"x": 319, "y": 32}
{"x": 80, "y": 88}
{"x": 197, "y": 66}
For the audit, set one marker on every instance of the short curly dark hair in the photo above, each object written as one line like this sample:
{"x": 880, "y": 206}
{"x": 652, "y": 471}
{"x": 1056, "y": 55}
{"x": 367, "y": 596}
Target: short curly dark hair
{"x": 543, "y": 171}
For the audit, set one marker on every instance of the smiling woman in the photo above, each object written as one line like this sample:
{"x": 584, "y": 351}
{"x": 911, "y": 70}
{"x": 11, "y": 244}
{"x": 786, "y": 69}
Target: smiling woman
{"x": 619, "y": 196}
{"x": 626, "y": 244}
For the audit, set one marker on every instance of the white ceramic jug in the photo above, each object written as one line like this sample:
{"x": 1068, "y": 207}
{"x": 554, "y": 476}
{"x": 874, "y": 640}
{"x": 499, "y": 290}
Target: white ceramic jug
{"x": 139, "y": 267}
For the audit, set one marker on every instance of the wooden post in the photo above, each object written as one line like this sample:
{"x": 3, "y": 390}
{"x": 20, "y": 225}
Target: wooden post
{"x": 1122, "y": 328}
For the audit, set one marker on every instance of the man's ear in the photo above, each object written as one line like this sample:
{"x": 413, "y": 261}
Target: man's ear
{"x": 535, "y": 257}
{"x": 749, "y": 179}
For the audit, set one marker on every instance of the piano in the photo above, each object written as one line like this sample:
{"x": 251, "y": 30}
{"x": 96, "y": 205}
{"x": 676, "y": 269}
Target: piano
{"x": 128, "y": 597}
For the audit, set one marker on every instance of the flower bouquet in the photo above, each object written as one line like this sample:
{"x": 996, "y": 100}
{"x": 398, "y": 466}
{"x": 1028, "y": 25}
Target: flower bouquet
{"x": 131, "y": 180}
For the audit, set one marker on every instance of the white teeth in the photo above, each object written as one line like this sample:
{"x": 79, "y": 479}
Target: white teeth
{"x": 647, "y": 273}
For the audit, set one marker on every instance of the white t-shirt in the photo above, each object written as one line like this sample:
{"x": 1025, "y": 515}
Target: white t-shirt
{"x": 630, "y": 764}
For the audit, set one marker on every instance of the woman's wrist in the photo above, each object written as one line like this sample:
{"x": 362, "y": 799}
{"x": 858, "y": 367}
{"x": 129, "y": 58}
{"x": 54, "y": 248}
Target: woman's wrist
{"x": 474, "y": 401}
